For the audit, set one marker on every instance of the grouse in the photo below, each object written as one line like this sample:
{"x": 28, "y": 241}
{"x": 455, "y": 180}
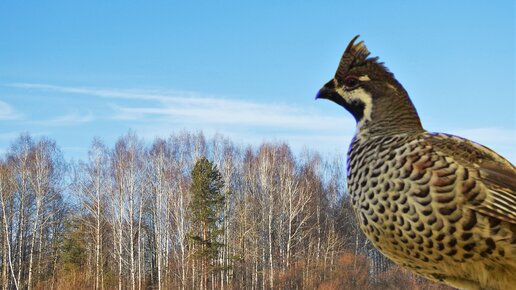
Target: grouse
{"x": 440, "y": 205}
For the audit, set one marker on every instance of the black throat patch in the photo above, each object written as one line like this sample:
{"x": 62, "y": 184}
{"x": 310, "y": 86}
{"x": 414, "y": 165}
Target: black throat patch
{"x": 356, "y": 108}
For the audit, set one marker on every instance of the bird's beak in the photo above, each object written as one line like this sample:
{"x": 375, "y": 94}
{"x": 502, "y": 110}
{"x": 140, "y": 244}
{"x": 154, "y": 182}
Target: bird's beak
{"x": 328, "y": 92}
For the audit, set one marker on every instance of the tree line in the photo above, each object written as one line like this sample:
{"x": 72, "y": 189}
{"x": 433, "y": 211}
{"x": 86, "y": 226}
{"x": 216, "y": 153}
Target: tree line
{"x": 183, "y": 212}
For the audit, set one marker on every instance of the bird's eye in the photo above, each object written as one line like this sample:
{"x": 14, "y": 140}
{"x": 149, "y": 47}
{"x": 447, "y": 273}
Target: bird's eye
{"x": 351, "y": 82}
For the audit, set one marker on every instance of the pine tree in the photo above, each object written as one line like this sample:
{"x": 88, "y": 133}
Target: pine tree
{"x": 207, "y": 212}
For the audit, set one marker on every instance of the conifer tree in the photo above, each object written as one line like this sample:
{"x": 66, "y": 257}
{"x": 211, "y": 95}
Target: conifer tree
{"x": 207, "y": 212}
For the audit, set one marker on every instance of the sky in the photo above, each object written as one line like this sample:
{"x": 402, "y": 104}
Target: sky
{"x": 75, "y": 70}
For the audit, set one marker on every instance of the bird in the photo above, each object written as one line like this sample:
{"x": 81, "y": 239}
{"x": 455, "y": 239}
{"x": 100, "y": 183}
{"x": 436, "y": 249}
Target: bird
{"x": 440, "y": 205}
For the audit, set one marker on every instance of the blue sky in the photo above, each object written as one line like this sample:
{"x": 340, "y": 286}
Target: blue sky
{"x": 72, "y": 70}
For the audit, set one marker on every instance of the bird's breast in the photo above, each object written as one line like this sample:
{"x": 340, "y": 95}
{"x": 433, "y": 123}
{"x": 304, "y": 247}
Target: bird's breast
{"x": 409, "y": 202}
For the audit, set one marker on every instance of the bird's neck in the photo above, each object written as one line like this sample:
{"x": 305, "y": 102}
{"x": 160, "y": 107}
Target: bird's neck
{"x": 390, "y": 118}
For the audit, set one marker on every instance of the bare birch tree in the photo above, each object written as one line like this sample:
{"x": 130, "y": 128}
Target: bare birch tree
{"x": 7, "y": 199}
{"x": 160, "y": 178}
{"x": 45, "y": 177}
{"x": 129, "y": 172}
{"x": 92, "y": 185}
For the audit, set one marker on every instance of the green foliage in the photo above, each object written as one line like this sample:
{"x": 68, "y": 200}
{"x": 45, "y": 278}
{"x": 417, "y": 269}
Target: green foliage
{"x": 73, "y": 253}
{"x": 206, "y": 207}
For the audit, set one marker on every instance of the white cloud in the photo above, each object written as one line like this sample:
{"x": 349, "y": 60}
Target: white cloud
{"x": 9, "y": 136}
{"x": 230, "y": 114}
{"x": 148, "y": 95}
{"x": 66, "y": 120}
{"x": 194, "y": 108}
{"x": 7, "y": 112}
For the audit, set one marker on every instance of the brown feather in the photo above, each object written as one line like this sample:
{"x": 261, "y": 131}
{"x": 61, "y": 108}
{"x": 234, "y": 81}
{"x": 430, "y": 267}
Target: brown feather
{"x": 496, "y": 173}
{"x": 501, "y": 198}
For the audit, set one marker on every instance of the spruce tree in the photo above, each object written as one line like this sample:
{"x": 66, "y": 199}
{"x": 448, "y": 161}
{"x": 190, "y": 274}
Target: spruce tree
{"x": 207, "y": 212}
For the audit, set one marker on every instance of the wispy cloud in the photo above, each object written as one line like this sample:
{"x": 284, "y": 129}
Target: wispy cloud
{"x": 195, "y": 108}
{"x": 9, "y": 136}
{"x": 69, "y": 119}
{"x": 228, "y": 113}
{"x": 134, "y": 94}
{"x": 8, "y": 113}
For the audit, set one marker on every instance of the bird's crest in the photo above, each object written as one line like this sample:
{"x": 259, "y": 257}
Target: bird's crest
{"x": 355, "y": 55}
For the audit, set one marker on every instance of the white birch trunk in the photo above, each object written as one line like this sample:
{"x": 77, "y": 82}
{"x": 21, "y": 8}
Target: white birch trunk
{"x": 8, "y": 244}
{"x": 33, "y": 241}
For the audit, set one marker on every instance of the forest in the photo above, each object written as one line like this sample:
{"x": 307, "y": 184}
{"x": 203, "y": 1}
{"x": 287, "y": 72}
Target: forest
{"x": 183, "y": 212}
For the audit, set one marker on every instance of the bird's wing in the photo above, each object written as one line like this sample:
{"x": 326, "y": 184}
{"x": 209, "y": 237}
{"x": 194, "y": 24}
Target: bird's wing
{"x": 497, "y": 175}
{"x": 501, "y": 197}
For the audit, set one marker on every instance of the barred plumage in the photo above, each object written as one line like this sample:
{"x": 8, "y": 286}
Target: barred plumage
{"x": 439, "y": 205}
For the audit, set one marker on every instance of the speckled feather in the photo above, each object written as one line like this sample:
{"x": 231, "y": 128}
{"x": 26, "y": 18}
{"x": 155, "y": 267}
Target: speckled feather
{"x": 422, "y": 207}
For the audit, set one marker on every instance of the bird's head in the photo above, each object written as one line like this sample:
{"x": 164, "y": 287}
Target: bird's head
{"x": 369, "y": 91}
